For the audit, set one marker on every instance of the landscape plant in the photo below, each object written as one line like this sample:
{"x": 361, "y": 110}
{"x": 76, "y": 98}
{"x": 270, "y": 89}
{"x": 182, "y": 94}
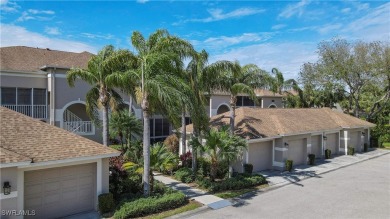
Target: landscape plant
{"x": 312, "y": 158}
{"x": 351, "y": 150}
{"x": 328, "y": 153}
{"x": 288, "y": 165}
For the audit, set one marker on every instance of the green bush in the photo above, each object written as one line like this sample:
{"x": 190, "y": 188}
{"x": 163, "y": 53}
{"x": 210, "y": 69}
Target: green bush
{"x": 383, "y": 139}
{"x": 106, "y": 203}
{"x": 241, "y": 181}
{"x": 312, "y": 158}
{"x": 145, "y": 206}
{"x": 184, "y": 175}
{"x": 328, "y": 153}
{"x": 248, "y": 168}
{"x": 204, "y": 166}
{"x": 365, "y": 147}
{"x": 289, "y": 165}
{"x": 351, "y": 151}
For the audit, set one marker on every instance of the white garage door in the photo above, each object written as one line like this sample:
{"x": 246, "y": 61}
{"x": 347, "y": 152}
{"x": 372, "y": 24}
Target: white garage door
{"x": 316, "y": 145}
{"x": 58, "y": 192}
{"x": 297, "y": 151}
{"x": 332, "y": 142}
{"x": 354, "y": 141}
{"x": 260, "y": 155}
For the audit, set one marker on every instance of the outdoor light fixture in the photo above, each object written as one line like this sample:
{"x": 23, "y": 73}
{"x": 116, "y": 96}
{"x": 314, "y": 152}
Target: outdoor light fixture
{"x": 285, "y": 144}
{"x": 363, "y": 133}
{"x": 7, "y": 188}
{"x": 325, "y": 137}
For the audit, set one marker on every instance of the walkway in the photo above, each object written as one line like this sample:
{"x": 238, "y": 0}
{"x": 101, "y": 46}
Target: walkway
{"x": 198, "y": 195}
{"x": 277, "y": 178}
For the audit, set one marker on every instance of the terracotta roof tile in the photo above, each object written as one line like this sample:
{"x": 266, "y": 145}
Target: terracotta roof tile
{"x": 31, "y": 138}
{"x": 28, "y": 59}
{"x": 255, "y": 123}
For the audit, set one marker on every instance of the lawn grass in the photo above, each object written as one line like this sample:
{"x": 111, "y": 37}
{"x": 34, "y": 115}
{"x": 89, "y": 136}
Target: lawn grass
{"x": 386, "y": 145}
{"x": 236, "y": 193}
{"x": 188, "y": 207}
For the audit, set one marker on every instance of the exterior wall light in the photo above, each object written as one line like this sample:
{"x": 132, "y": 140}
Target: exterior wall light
{"x": 286, "y": 144}
{"x": 325, "y": 137}
{"x": 7, "y": 188}
{"x": 363, "y": 133}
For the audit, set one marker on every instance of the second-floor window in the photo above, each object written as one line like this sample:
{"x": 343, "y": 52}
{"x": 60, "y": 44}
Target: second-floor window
{"x": 244, "y": 101}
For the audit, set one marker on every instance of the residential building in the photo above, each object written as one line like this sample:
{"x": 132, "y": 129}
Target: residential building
{"x": 52, "y": 173}
{"x": 275, "y": 135}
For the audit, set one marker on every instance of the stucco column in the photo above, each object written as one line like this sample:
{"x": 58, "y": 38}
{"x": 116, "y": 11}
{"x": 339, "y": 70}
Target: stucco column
{"x": 211, "y": 107}
{"x": 323, "y": 144}
{"x": 361, "y": 141}
{"x": 346, "y": 142}
{"x": 308, "y": 145}
{"x": 368, "y": 137}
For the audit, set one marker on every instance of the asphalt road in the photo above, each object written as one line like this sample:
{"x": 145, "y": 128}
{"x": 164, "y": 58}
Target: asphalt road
{"x": 358, "y": 191}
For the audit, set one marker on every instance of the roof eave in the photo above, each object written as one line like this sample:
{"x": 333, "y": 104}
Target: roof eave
{"x": 15, "y": 164}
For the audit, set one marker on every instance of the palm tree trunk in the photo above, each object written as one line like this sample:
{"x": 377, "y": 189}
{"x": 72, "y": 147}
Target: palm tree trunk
{"x": 233, "y": 100}
{"x": 194, "y": 152}
{"x": 183, "y": 132}
{"x": 146, "y": 147}
{"x": 130, "y": 105}
{"x": 105, "y": 125}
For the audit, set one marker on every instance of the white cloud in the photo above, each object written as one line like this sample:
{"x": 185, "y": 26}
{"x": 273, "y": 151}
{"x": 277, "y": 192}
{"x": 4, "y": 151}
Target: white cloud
{"x": 278, "y": 26}
{"x": 287, "y": 57}
{"x": 12, "y": 35}
{"x": 346, "y": 10}
{"x": 7, "y": 6}
{"x": 98, "y": 36}
{"x": 329, "y": 28}
{"x": 52, "y": 30}
{"x": 33, "y": 14}
{"x": 142, "y": 1}
{"x": 218, "y": 14}
{"x": 294, "y": 9}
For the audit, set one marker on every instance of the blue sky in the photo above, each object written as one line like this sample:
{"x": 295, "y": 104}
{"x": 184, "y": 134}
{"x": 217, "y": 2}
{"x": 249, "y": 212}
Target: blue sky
{"x": 282, "y": 34}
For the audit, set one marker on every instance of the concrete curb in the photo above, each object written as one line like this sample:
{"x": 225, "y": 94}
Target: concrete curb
{"x": 190, "y": 213}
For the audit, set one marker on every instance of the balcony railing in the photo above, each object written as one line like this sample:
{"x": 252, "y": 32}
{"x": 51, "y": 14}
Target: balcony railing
{"x": 79, "y": 127}
{"x": 34, "y": 111}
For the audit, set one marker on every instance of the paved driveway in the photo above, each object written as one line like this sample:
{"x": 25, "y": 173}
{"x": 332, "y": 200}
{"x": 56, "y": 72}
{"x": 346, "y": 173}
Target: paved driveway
{"x": 358, "y": 191}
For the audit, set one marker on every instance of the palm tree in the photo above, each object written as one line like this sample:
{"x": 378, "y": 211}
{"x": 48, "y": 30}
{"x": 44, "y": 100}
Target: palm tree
{"x": 201, "y": 78}
{"x": 221, "y": 146}
{"x": 158, "y": 59}
{"x": 240, "y": 80}
{"x": 101, "y": 96}
{"x": 124, "y": 124}
{"x": 161, "y": 159}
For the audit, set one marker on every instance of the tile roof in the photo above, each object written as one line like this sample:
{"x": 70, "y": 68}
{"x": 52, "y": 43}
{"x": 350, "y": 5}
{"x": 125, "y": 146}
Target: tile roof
{"x": 28, "y": 59}
{"x": 23, "y": 137}
{"x": 258, "y": 92}
{"x": 253, "y": 123}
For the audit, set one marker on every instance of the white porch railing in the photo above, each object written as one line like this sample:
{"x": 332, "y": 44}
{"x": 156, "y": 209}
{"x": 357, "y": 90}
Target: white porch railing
{"x": 34, "y": 111}
{"x": 75, "y": 124}
{"x": 79, "y": 127}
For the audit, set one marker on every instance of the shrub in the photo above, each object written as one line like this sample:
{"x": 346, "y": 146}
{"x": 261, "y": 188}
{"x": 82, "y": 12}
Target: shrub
{"x": 106, "y": 203}
{"x": 186, "y": 159}
{"x": 172, "y": 143}
{"x": 204, "y": 166}
{"x": 365, "y": 147}
{"x": 351, "y": 151}
{"x": 241, "y": 181}
{"x": 222, "y": 170}
{"x": 248, "y": 168}
{"x": 184, "y": 175}
{"x": 145, "y": 206}
{"x": 328, "y": 153}
{"x": 312, "y": 158}
{"x": 289, "y": 165}
{"x": 383, "y": 139}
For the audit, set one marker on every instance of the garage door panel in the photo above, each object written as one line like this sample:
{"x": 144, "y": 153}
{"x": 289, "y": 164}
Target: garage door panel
{"x": 260, "y": 155}
{"x": 297, "y": 151}
{"x": 316, "y": 147}
{"x": 332, "y": 142}
{"x": 58, "y": 192}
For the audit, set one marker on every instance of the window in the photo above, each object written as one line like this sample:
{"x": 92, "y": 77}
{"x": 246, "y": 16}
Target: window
{"x": 244, "y": 101}
{"x": 24, "y": 96}
{"x": 39, "y": 96}
{"x": 159, "y": 129}
{"x": 188, "y": 120}
{"x": 8, "y": 96}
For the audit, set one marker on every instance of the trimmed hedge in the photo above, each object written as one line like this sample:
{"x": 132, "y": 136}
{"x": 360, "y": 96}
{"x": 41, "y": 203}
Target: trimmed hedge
{"x": 365, "y": 147}
{"x": 184, "y": 175}
{"x": 145, "y": 206}
{"x": 106, "y": 202}
{"x": 240, "y": 181}
{"x": 248, "y": 168}
{"x": 289, "y": 165}
{"x": 328, "y": 153}
{"x": 312, "y": 159}
{"x": 351, "y": 151}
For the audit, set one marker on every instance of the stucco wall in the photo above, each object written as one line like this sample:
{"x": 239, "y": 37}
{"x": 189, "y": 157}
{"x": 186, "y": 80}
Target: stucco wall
{"x": 332, "y": 142}
{"x": 260, "y": 155}
{"x": 8, "y": 174}
{"x": 65, "y": 94}
{"x": 23, "y": 82}
{"x": 216, "y": 101}
{"x": 267, "y": 101}
{"x": 105, "y": 175}
{"x": 316, "y": 145}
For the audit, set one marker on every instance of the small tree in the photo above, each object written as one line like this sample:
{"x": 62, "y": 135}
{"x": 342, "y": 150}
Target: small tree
{"x": 172, "y": 143}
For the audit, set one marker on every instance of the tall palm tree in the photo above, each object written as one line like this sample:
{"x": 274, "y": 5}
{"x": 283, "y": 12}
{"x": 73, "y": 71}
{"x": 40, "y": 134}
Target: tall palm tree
{"x": 101, "y": 96}
{"x": 201, "y": 78}
{"x": 160, "y": 90}
{"x": 240, "y": 80}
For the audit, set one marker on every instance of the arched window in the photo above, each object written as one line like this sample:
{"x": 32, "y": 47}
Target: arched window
{"x": 223, "y": 109}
